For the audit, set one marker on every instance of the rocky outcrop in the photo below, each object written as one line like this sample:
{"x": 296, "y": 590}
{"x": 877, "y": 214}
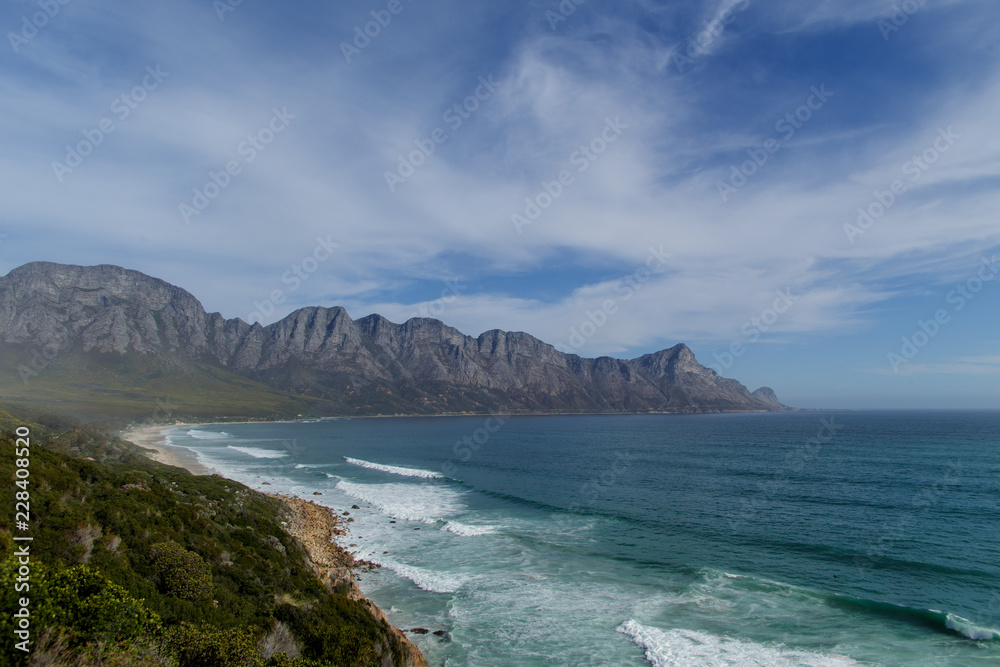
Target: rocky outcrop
{"x": 316, "y": 528}
{"x": 367, "y": 366}
{"x": 767, "y": 396}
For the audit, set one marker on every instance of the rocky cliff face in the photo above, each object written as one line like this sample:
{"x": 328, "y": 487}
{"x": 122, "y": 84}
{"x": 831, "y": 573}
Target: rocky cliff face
{"x": 368, "y": 366}
{"x": 108, "y": 309}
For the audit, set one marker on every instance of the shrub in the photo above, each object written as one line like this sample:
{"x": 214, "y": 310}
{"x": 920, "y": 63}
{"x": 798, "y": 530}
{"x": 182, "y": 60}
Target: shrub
{"x": 336, "y": 630}
{"x": 93, "y": 608}
{"x": 205, "y": 646}
{"x": 71, "y": 607}
{"x": 11, "y": 592}
{"x": 282, "y": 660}
{"x": 183, "y": 574}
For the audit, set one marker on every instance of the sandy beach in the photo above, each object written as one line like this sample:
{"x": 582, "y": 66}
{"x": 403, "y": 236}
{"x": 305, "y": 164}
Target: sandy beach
{"x": 152, "y": 437}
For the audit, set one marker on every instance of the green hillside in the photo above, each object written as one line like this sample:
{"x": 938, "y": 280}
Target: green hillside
{"x": 114, "y": 387}
{"x": 135, "y": 562}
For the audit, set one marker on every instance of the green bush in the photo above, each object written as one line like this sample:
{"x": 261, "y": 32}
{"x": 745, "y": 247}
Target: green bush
{"x": 94, "y": 609}
{"x": 282, "y": 660}
{"x": 183, "y": 574}
{"x": 205, "y": 646}
{"x": 336, "y": 630}
{"x": 78, "y": 604}
{"x": 11, "y": 592}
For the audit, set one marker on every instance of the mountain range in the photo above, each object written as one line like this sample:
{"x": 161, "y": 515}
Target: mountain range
{"x": 111, "y": 342}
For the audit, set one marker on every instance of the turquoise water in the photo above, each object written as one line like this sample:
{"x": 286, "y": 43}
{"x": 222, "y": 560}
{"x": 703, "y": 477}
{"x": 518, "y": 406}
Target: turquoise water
{"x": 770, "y": 539}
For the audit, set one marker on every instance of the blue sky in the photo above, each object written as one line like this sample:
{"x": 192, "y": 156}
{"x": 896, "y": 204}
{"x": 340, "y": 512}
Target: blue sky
{"x": 613, "y": 179}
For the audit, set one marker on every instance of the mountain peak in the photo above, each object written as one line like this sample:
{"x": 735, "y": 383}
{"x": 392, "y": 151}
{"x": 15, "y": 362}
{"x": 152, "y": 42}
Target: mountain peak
{"x": 767, "y": 396}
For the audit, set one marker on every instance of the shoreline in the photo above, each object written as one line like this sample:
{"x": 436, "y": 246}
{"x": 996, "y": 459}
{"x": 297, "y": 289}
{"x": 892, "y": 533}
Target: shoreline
{"x": 153, "y": 438}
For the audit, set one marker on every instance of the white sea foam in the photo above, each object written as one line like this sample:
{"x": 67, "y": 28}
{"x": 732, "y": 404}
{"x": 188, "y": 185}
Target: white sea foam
{"x": 466, "y": 530}
{"x": 395, "y": 470}
{"x": 719, "y": 576}
{"x": 208, "y": 435}
{"x": 259, "y": 453}
{"x": 434, "y": 582}
{"x": 220, "y": 466}
{"x": 169, "y": 442}
{"x": 677, "y": 648}
{"x": 406, "y": 501}
{"x": 967, "y": 628}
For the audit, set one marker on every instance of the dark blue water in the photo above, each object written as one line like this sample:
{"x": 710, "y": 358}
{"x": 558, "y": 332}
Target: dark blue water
{"x": 775, "y": 539}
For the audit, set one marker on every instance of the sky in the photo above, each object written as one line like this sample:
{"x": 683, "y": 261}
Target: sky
{"x": 805, "y": 193}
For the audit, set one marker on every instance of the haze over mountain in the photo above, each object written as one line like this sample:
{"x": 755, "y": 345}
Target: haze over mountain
{"x": 108, "y": 340}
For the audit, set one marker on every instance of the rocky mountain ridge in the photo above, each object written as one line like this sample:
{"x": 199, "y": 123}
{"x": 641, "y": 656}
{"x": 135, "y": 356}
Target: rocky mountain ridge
{"x": 364, "y": 366}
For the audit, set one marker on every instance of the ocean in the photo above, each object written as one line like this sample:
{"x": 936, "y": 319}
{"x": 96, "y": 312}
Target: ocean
{"x": 805, "y": 538}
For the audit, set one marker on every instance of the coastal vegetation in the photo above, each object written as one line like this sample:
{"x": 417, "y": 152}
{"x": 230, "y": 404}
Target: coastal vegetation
{"x": 136, "y": 562}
